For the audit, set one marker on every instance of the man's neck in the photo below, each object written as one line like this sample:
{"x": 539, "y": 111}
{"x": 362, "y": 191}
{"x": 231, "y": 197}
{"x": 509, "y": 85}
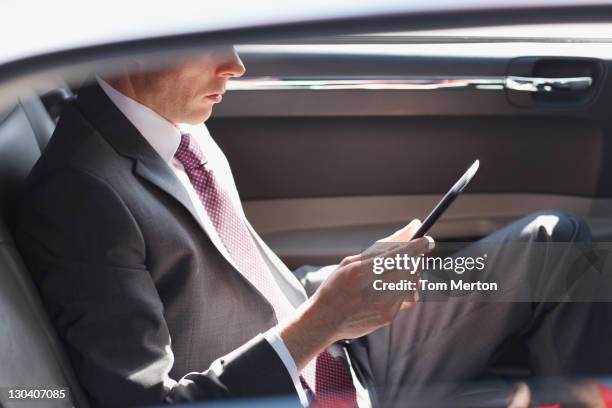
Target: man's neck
{"x": 124, "y": 85}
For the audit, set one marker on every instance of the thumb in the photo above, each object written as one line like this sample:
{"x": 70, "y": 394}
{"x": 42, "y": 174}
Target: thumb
{"x": 404, "y": 234}
{"x": 423, "y": 245}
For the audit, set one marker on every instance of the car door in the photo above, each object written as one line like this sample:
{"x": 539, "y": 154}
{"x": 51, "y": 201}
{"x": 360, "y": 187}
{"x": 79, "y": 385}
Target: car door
{"x": 338, "y": 141}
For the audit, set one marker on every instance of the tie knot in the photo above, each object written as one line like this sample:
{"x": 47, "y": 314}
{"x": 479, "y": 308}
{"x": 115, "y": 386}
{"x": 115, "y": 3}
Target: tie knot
{"x": 189, "y": 153}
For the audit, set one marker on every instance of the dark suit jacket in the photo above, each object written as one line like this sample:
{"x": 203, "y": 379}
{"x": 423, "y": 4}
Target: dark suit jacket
{"x": 135, "y": 288}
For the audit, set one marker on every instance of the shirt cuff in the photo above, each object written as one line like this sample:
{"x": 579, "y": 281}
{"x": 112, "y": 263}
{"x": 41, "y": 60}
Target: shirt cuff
{"x": 278, "y": 345}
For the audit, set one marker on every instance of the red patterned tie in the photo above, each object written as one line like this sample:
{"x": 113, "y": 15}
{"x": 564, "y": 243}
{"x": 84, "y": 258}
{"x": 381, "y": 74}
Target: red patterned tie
{"x": 326, "y": 377}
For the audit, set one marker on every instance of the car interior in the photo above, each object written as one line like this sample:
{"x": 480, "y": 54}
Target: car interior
{"x": 338, "y": 141}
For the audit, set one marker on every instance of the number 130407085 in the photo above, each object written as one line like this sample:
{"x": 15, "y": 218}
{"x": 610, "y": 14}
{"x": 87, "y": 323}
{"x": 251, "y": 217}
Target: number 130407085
{"x": 34, "y": 393}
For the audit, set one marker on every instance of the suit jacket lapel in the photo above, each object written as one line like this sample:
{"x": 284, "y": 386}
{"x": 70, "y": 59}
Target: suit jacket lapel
{"x": 127, "y": 140}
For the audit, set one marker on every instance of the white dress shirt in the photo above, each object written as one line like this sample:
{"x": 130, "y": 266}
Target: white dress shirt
{"x": 165, "y": 138}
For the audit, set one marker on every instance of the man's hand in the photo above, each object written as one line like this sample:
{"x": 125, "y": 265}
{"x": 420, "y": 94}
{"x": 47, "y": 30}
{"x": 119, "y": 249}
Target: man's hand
{"x": 404, "y": 234}
{"x": 341, "y": 309}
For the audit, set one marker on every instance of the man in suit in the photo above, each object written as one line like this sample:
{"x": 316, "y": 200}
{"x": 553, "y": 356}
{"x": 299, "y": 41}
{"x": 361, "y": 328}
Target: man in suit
{"x": 161, "y": 290}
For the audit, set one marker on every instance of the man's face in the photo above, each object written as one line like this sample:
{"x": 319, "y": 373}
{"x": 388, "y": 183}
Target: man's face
{"x": 187, "y": 91}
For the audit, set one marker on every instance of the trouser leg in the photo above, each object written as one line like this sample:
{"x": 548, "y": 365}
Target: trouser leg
{"x": 453, "y": 341}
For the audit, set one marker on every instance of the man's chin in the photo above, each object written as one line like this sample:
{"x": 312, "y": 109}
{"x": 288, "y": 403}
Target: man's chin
{"x": 199, "y": 118}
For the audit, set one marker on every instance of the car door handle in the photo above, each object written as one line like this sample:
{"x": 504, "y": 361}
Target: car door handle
{"x": 534, "y": 84}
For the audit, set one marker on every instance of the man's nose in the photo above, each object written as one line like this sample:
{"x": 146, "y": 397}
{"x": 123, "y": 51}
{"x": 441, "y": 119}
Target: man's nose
{"x": 231, "y": 65}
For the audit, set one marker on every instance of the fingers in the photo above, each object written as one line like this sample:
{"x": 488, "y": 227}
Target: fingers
{"x": 423, "y": 245}
{"x": 419, "y": 246}
{"x": 404, "y": 234}
{"x": 399, "y": 237}
{"x": 521, "y": 397}
{"x": 350, "y": 259}
{"x": 412, "y": 227}
{"x": 414, "y": 248}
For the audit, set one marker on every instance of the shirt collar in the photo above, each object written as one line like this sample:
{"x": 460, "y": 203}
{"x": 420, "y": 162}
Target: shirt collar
{"x": 161, "y": 134}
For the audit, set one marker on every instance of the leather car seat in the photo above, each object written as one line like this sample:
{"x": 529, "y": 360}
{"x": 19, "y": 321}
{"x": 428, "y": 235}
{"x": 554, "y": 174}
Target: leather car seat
{"x": 31, "y": 355}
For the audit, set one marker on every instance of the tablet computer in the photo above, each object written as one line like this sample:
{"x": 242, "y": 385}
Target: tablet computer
{"x": 447, "y": 200}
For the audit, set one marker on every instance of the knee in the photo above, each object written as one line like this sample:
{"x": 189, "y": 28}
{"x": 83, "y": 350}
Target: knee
{"x": 555, "y": 226}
